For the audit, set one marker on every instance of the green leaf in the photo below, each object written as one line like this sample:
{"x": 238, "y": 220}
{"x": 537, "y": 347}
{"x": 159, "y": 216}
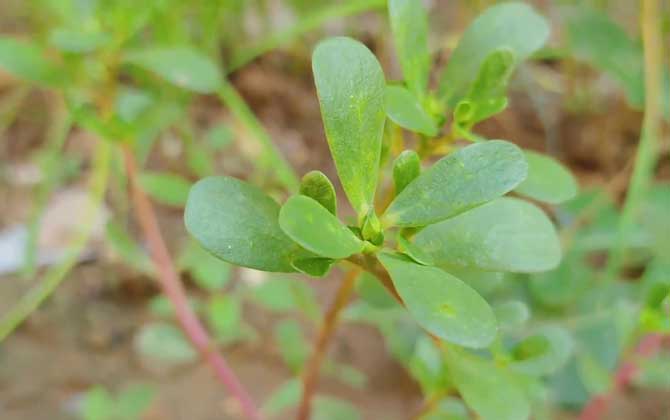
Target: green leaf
{"x": 129, "y": 250}
{"x": 441, "y": 303}
{"x": 404, "y": 109}
{"x": 512, "y": 314}
{"x": 505, "y": 235}
{"x": 237, "y": 222}
{"x": 544, "y": 352}
{"x": 182, "y": 66}
{"x": 77, "y": 41}
{"x": 98, "y": 404}
{"x": 486, "y": 388}
{"x": 164, "y": 343}
{"x": 409, "y": 24}
{"x": 414, "y": 252}
{"x": 316, "y": 185}
{"x": 458, "y": 182}
{"x": 209, "y": 272}
{"x": 547, "y": 180}
{"x": 512, "y": 25}
{"x": 165, "y": 187}
{"x": 316, "y": 229}
{"x": 292, "y": 345}
{"x": 285, "y": 396}
{"x": 406, "y": 168}
{"x": 282, "y": 295}
{"x": 350, "y": 84}
{"x": 595, "y": 38}
{"x": 487, "y": 95}
{"x": 134, "y": 401}
{"x": 224, "y": 315}
{"x": 28, "y": 62}
{"x": 370, "y": 289}
{"x": 315, "y": 267}
{"x": 329, "y": 408}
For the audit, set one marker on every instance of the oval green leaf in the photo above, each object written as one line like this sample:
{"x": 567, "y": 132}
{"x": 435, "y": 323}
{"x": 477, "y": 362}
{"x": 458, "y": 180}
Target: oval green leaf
{"x": 406, "y": 168}
{"x": 28, "y": 62}
{"x": 350, "y": 84}
{"x": 403, "y": 108}
{"x": 458, "y": 182}
{"x": 547, "y": 180}
{"x": 409, "y": 24}
{"x": 316, "y": 229}
{"x": 441, "y": 303}
{"x": 486, "y": 388}
{"x": 513, "y": 25}
{"x": 182, "y": 66}
{"x": 237, "y": 222}
{"x": 505, "y": 235}
{"x": 316, "y": 185}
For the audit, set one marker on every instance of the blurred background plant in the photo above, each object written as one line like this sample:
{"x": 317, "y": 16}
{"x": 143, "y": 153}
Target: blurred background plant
{"x": 90, "y": 90}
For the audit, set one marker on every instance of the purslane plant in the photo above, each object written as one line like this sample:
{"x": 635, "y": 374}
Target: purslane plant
{"x": 447, "y": 221}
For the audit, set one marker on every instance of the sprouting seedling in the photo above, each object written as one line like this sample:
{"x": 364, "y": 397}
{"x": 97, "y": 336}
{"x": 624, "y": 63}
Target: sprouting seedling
{"x": 240, "y": 224}
{"x": 443, "y": 221}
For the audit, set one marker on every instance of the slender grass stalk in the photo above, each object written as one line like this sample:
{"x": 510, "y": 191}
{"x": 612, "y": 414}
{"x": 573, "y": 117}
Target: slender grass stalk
{"x": 306, "y": 24}
{"x": 174, "y": 291}
{"x": 647, "y": 151}
{"x": 271, "y": 157}
{"x": 53, "y": 278}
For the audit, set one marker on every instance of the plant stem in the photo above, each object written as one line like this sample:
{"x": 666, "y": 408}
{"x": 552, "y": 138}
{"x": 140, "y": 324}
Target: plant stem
{"x": 41, "y": 291}
{"x": 174, "y": 290}
{"x": 306, "y": 24}
{"x": 271, "y": 157}
{"x": 645, "y": 159}
{"x": 596, "y": 408}
{"x": 311, "y": 374}
{"x": 57, "y": 135}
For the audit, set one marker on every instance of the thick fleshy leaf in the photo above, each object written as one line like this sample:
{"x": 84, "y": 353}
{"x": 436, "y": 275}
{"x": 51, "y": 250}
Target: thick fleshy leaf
{"x": 370, "y": 289}
{"x": 316, "y": 185}
{"x": 350, "y": 84}
{"x": 182, "y": 66}
{"x": 512, "y": 314}
{"x": 237, "y": 222}
{"x": 315, "y": 267}
{"x": 486, "y": 388}
{"x": 406, "y": 168}
{"x": 512, "y": 25}
{"x": 409, "y": 23}
{"x": 441, "y": 303}
{"x": 544, "y": 352}
{"x": 404, "y": 109}
{"x": 316, "y": 229}
{"x": 28, "y": 62}
{"x": 417, "y": 254}
{"x": 458, "y": 182}
{"x": 505, "y": 235}
{"x": 487, "y": 95}
{"x": 547, "y": 180}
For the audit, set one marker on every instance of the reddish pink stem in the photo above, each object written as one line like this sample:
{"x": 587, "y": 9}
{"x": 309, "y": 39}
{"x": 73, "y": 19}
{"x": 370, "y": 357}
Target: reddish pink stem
{"x": 174, "y": 290}
{"x": 596, "y": 408}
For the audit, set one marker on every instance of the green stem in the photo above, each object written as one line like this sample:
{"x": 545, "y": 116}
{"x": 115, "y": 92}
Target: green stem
{"x": 307, "y": 24}
{"x": 271, "y": 157}
{"x": 645, "y": 160}
{"x": 41, "y": 291}
{"x": 62, "y": 123}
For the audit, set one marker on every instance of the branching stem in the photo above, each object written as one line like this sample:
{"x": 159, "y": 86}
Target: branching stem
{"x": 174, "y": 290}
